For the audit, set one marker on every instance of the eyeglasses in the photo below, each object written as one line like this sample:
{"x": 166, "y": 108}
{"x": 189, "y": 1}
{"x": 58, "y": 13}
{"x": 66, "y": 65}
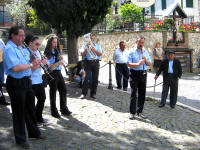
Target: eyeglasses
{"x": 37, "y": 44}
{"x": 21, "y": 35}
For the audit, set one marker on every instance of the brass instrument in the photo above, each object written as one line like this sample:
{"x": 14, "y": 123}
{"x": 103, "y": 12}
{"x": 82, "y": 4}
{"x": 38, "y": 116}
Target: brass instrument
{"x": 90, "y": 45}
{"x": 43, "y": 66}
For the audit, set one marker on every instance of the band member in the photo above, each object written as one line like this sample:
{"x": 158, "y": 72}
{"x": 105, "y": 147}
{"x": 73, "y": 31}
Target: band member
{"x": 138, "y": 61}
{"x": 172, "y": 71}
{"x": 36, "y": 77}
{"x": 2, "y": 98}
{"x": 120, "y": 58}
{"x": 18, "y": 84}
{"x": 53, "y": 54}
{"x": 91, "y": 52}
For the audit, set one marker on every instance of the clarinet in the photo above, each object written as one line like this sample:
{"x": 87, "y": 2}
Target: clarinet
{"x": 43, "y": 66}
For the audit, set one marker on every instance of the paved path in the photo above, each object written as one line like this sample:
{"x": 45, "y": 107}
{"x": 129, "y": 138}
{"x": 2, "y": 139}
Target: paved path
{"x": 103, "y": 124}
{"x": 188, "y": 92}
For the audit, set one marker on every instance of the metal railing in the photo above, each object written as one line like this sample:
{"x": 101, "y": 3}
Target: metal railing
{"x": 115, "y": 23}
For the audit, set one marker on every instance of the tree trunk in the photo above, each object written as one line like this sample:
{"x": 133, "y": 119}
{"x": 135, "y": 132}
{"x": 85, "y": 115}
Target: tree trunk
{"x": 72, "y": 53}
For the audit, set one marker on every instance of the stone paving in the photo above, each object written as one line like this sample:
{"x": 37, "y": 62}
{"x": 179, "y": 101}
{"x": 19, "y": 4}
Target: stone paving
{"x": 103, "y": 124}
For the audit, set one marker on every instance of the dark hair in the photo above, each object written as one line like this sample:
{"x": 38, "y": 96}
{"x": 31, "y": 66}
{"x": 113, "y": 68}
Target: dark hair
{"x": 14, "y": 30}
{"x": 140, "y": 37}
{"x": 30, "y": 38}
{"x": 120, "y": 43}
{"x": 48, "y": 49}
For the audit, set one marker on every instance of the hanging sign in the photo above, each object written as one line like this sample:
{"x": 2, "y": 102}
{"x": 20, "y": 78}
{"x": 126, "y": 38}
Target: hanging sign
{"x": 143, "y": 3}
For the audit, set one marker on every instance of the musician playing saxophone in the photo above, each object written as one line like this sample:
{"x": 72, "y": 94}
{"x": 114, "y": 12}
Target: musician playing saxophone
{"x": 91, "y": 53}
{"x": 53, "y": 54}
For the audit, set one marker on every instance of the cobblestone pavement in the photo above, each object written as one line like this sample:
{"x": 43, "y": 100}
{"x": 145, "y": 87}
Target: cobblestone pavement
{"x": 188, "y": 92}
{"x": 103, "y": 124}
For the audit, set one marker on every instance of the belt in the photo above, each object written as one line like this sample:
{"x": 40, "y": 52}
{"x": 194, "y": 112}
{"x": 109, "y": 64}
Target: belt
{"x": 138, "y": 71}
{"x": 24, "y": 78}
{"x": 95, "y": 60}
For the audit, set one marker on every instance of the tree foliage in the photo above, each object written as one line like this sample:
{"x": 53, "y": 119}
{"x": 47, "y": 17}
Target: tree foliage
{"x": 33, "y": 21}
{"x": 130, "y": 12}
{"x": 17, "y": 10}
{"x": 77, "y": 17}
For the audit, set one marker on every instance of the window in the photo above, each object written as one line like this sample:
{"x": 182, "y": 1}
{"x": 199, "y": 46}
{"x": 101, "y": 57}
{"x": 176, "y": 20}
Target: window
{"x": 153, "y": 9}
{"x": 164, "y": 4}
{"x": 189, "y": 3}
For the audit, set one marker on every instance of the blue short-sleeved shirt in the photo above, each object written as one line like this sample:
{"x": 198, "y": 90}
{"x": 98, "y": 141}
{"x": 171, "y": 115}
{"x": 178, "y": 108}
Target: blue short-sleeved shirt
{"x": 87, "y": 56}
{"x": 36, "y": 76}
{"x": 52, "y": 60}
{"x": 135, "y": 56}
{"x": 14, "y": 55}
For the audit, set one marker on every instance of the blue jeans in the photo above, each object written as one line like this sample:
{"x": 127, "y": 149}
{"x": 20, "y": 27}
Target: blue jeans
{"x": 1, "y": 72}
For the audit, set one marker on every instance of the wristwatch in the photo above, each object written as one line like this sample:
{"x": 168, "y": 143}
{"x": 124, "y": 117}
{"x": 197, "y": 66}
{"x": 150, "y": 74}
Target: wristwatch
{"x": 31, "y": 65}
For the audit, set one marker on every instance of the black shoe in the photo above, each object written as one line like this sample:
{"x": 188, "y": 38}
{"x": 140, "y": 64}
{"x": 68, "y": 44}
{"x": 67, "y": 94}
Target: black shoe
{"x": 82, "y": 96}
{"x": 125, "y": 89}
{"x": 23, "y": 145}
{"x": 119, "y": 88}
{"x": 4, "y": 102}
{"x": 93, "y": 96}
{"x": 56, "y": 115}
{"x": 67, "y": 113}
{"x": 141, "y": 115}
{"x": 161, "y": 105}
{"x": 172, "y": 106}
{"x": 132, "y": 116}
{"x": 4, "y": 85}
{"x": 40, "y": 137}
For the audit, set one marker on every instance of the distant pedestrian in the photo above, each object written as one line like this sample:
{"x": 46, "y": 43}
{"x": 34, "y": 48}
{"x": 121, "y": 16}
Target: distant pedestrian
{"x": 172, "y": 71}
{"x": 158, "y": 56}
{"x": 138, "y": 61}
{"x": 120, "y": 57}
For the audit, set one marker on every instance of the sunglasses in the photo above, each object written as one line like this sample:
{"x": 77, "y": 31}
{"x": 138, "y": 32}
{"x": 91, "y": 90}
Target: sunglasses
{"x": 37, "y": 44}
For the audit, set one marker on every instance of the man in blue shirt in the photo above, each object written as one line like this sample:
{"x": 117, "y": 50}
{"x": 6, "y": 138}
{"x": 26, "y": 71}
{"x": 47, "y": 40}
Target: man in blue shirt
{"x": 91, "y": 52}
{"x": 172, "y": 71}
{"x": 138, "y": 61}
{"x": 18, "y": 67}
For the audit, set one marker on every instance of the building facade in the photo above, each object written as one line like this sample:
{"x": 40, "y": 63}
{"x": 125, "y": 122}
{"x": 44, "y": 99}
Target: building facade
{"x": 190, "y": 7}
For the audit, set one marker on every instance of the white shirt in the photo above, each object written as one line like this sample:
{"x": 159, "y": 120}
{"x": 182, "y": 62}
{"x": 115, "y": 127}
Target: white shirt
{"x": 120, "y": 56}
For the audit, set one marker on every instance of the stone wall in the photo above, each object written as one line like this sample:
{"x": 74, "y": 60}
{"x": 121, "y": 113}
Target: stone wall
{"x": 110, "y": 41}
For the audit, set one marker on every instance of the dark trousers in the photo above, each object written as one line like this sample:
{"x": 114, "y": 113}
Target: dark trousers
{"x": 23, "y": 108}
{"x": 58, "y": 83}
{"x": 122, "y": 70}
{"x": 41, "y": 96}
{"x": 138, "y": 86}
{"x": 170, "y": 81}
{"x": 91, "y": 66}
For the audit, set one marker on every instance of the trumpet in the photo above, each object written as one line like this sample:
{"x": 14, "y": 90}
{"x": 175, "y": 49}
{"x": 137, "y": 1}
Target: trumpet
{"x": 90, "y": 45}
{"x": 43, "y": 66}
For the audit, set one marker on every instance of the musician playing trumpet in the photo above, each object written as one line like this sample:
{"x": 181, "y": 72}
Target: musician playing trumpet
{"x": 91, "y": 53}
{"x": 53, "y": 54}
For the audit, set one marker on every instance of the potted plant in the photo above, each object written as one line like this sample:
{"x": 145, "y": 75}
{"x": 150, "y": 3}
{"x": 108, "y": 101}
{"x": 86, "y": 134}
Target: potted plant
{"x": 171, "y": 42}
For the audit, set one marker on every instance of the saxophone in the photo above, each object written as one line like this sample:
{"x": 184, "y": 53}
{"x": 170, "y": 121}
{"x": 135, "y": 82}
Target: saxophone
{"x": 55, "y": 65}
